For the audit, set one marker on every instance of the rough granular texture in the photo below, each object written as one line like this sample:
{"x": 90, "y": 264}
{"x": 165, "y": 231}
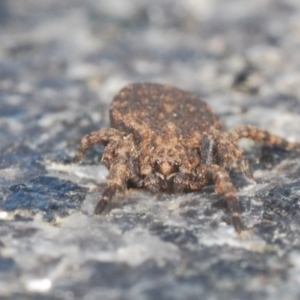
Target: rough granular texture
{"x": 153, "y": 108}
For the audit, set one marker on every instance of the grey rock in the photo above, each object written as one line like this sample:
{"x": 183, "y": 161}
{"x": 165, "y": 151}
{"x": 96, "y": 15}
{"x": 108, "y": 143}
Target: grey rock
{"x": 61, "y": 62}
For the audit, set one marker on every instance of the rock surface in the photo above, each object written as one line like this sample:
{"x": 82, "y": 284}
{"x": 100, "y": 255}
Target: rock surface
{"x": 61, "y": 62}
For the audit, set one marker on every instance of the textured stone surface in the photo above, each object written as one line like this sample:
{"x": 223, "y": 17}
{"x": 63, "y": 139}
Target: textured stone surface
{"x": 61, "y": 62}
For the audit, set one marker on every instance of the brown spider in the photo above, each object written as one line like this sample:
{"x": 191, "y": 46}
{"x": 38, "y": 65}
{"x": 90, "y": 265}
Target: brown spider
{"x": 163, "y": 138}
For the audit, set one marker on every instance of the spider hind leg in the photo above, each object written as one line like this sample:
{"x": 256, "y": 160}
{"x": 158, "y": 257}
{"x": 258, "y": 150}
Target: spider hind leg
{"x": 263, "y": 136}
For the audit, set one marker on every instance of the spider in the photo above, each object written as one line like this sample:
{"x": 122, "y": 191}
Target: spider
{"x": 165, "y": 139}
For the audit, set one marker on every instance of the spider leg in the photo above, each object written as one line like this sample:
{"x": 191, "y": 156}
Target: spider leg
{"x": 107, "y": 195}
{"x": 207, "y": 150}
{"x": 181, "y": 182}
{"x": 118, "y": 157}
{"x": 135, "y": 176}
{"x": 149, "y": 178}
{"x": 102, "y": 136}
{"x": 152, "y": 183}
{"x": 223, "y": 187}
{"x": 229, "y": 153}
{"x": 222, "y": 149}
{"x": 118, "y": 175}
{"x": 264, "y": 136}
{"x": 120, "y": 169}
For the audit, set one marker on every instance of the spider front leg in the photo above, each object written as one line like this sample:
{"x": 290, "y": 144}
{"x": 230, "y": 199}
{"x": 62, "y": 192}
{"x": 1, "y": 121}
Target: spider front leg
{"x": 135, "y": 177}
{"x": 103, "y": 136}
{"x": 152, "y": 183}
{"x": 229, "y": 153}
{"x": 118, "y": 157}
{"x": 222, "y": 149}
{"x": 181, "y": 183}
{"x": 122, "y": 169}
{"x": 223, "y": 187}
{"x": 118, "y": 176}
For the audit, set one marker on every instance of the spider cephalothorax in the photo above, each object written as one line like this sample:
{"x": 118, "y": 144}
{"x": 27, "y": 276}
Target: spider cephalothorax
{"x": 163, "y": 138}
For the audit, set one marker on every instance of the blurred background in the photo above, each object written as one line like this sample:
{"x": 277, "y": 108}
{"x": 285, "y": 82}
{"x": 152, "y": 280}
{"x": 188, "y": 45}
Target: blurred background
{"x": 61, "y": 63}
{"x": 74, "y": 55}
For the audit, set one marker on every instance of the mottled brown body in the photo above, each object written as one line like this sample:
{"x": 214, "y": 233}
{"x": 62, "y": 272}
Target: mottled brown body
{"x": 163, "y": 138}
